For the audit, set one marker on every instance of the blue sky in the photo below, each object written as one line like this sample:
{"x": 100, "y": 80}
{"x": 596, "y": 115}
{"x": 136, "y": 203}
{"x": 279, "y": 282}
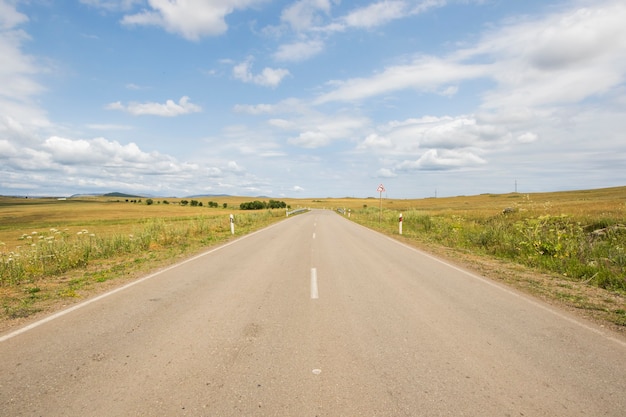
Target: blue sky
{"x": 311, "y": 98}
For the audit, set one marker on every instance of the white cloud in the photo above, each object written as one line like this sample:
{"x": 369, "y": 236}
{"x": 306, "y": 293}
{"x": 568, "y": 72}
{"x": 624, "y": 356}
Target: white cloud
{"x": 10, "y": 17}
{"x": 375, "y": 141}
{"x": 168, "y": 109}
{"x": 434, "y": 160}
{"x": 303, "y": 15}
{"x": 562, "y": 58}
{"x": 191, "y": 19}
{"x": 383, "y": 12}
{"x": 447, "y": 132}
{"x": 299, "y": 51}
{"x": 386, "y": 173}
{"x": 232, "y": 166}
{"x": 311, "y": 139}
{"x": 425, "y": 73}
{"x": 527, "y": 137}
{"x": 318, "y": 130}
{"x": 20, "y": 113}
{"x": 269, "y": 77}
{"x": 376, "y": 14}
{"x": 254, "y": 109}
{"x": 97, "y": 151}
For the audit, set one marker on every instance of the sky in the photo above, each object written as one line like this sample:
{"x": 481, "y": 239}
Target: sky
{"x": 311, "y": 98}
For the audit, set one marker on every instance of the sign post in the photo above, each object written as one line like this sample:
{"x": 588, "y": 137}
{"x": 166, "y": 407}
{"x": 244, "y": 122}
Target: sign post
{"x": 380, "y": 189}
{"x": 400, "y": 223}
{"x": 232, "y": 224}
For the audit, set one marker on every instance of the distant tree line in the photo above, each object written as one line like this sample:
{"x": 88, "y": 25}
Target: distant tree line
{"x": 260, "y": 205}
{"x": 192, "y": 203}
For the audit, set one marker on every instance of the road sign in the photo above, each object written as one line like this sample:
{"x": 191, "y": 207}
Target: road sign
{"x": 381, "y": 188}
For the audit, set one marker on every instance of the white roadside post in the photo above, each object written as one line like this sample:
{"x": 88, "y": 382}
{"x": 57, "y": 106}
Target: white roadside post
{"x": 232, "y": 224}
{"x": 400, "y": 223}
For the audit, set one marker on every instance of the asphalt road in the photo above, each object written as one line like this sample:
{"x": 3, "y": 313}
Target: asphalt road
{"x": 314, "y": 316}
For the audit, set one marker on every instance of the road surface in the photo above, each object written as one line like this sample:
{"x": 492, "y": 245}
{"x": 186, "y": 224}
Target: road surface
{"x": 313, "y": 316}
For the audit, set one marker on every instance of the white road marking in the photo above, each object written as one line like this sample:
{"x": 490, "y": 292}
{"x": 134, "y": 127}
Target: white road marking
{"x": 314, "y": 291}
{"x": 313, "y": 235}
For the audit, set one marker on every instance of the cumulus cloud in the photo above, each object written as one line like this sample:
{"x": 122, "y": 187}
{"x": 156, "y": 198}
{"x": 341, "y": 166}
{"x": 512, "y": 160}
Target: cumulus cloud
{"x": 375, "y": 141}
{"x": 386, "y": 173}
{"x": 434, "y": 160}
{"x": 167, "y": 109}
{"x": 527, "y": 137}
{"x": 100, "y": 164}
{"x": 191, "y": 19}
{"x": 96, "y": 151}
{"x": 311, "y": 139}
{"x": 269, "y": 77}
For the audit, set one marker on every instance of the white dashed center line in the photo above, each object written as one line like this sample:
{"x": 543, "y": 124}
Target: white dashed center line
{"x": 314, "y": 292}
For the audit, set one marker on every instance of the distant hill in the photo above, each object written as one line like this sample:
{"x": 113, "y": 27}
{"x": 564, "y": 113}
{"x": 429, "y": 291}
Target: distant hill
{"x": 116, "y": 194}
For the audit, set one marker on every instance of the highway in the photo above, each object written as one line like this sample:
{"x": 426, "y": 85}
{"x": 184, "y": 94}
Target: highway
{"x": 313, "y": 316}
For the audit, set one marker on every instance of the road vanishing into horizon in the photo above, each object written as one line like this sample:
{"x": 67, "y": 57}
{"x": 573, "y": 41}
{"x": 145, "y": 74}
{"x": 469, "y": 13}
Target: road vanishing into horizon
{"x": 313, "y": 316}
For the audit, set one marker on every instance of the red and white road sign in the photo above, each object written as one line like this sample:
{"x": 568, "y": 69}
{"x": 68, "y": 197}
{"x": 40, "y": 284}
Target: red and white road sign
{"x": 381, "y": 188}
